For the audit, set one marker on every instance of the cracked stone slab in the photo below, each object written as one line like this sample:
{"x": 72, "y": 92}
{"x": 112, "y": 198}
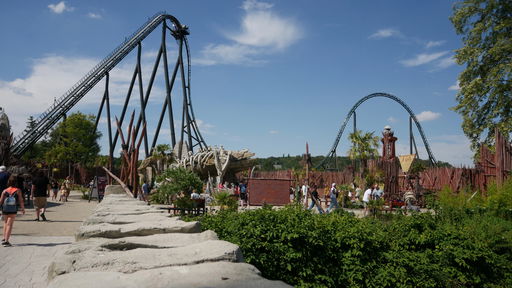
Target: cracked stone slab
{"x": 157, "y": 241}
{"x": 218, "y": 274}
{"x": 117, "y": 190}
{"x": 124, "y": 207}
{"x": 129, "y": 212}
{"x": 121, "y": 200}
{"x": 145, "y": 258}
{"x": 125, "y": 219}
{"x": 105, "y": 230}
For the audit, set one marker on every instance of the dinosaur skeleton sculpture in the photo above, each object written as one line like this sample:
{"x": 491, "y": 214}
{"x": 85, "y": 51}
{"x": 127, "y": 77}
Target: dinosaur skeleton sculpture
{"x": 210, "y": 161}
{"x": 204, "y": 161}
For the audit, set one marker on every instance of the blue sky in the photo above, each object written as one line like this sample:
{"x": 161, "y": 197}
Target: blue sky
{"x": 266, "y": 75}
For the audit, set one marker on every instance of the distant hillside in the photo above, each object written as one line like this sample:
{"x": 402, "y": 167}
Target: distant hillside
{"x": 295, "y": 162}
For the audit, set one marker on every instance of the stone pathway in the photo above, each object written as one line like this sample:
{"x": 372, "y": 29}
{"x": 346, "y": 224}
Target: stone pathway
{"x": 26, "y": 263}
{"x": 121, "y": 243}
{"x": 125, "y": 243}
{"x": 36, "y": 244}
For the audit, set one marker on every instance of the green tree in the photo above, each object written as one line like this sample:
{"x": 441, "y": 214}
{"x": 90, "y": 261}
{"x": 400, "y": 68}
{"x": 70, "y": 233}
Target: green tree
{"x": 31, "y": 124}
{"x": 174, "y": 182}
{"x": 364, "y": 146}
{"x": 485, "y": 95}
{"x": 37, "y": 150}
{"x": 74, "y": 140}
{"x": 161, "y": 153}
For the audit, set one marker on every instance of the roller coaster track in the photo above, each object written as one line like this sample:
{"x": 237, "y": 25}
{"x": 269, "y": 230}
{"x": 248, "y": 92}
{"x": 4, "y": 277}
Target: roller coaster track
{"x": 332, "y": 151}
{"x": 65, "y": 103}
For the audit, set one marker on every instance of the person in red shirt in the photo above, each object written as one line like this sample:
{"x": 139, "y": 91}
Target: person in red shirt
{"x": 11, "y": 197}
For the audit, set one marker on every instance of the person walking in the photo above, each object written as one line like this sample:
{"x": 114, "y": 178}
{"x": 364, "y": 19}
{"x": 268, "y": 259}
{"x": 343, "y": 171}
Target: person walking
{"x": 40, "y": 191}
{"x": 67, "y": 188}
{"x": 11, "y": 197}
{"x": 55, "y": 189}
{"x": 358, "y": 193}
{"x": 4, "y": 176}
{"x": 304, "y": 190}
{"x": 315, "y": 200}
{"x": 333, "y": 194}
{"x": 243, "y": 194}
{"x": 145, "y": 191}
{"x": 367, "y": 196}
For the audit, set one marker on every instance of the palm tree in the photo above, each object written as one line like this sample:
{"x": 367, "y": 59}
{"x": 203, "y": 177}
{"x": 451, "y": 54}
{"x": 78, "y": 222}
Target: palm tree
{"x": 364, "y": 146}
{"x": 160, "y": 154}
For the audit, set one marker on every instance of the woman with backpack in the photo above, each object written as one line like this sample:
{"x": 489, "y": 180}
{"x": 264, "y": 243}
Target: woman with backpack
{"x": 10, "y": 198}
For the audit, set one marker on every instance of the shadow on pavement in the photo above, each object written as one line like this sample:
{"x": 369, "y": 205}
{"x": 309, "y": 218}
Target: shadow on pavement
{"x": 43, "y": 244}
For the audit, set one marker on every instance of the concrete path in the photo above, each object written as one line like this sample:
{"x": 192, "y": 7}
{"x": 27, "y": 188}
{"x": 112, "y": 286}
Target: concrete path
{"x": 36, "y": 244}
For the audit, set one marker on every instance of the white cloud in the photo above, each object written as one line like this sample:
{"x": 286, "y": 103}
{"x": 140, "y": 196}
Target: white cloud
{"x": 454, "y": 149}
{"x": 385, "y": 33}
{"x": 261, "y": 32}
{"x": 392, "y": 119}
{"x": 446, "y": 62}
{"x": 266, "y": 29}
{"x": 205, "y": 128}
{"x": 51, "y": 76}
{"x": 427, "y": 116}
{"x": 273, "y": 132}
{"x": 421, "y": 59}
{"x": 228, "y": 54}
{"x": 431, "y": 44}
{"x": 94, "y": 15}
{"x": 60, "y": 7}
{"x": 455, "y": 87}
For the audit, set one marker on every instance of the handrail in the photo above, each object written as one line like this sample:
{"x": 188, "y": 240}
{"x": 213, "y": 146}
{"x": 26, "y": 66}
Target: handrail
{"x": 64, "y": 103}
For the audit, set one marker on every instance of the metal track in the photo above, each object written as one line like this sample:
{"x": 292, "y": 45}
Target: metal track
{"x": 62, "y": 105}
{"x": 332, "y": 152}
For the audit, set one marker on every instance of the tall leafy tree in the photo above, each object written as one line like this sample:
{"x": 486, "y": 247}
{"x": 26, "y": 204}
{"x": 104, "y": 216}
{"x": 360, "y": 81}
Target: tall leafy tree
{"x": 74, "y": 141}
{"x": 485, "y": 95}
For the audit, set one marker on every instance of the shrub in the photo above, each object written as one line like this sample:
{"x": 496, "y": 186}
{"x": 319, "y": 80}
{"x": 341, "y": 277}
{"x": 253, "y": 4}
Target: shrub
{"x": 500, "y": 200}
{"x": 225, "y": 200}
{"x": 338, "y": 250}
{"x": 175, "y": 181}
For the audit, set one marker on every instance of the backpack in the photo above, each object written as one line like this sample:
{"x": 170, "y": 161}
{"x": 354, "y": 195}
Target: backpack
{"x": 9, "y": 205}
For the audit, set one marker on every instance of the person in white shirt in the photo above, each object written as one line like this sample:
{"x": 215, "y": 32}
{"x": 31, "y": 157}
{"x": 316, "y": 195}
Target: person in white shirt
{"x": 333, "y": 194}
{"x": 377, "y": 193}
{"x": 366, "y": 198}
{"x": 195, "y": 195}
{"x": 304, "y": 190}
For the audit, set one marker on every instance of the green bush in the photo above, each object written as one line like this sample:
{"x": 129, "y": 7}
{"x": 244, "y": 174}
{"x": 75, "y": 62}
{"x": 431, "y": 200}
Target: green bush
{"x": 85, "y": 192}
{"x": 176, "y": 181}
{"x": 500, "y": 200}
{"x": 225, "y": 200}
{"x": 497, "y": 201}
{"x": 338, "y": 250}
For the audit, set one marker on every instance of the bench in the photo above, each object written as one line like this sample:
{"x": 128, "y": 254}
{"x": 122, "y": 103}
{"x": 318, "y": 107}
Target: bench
{"x": 198, "y": 208}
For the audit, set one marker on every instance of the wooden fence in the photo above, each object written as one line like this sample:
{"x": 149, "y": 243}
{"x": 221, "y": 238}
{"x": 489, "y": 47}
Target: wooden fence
{"x": 491, "y": 167}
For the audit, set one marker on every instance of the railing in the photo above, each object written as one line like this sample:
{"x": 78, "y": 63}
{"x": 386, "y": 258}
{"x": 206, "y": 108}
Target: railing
{"x": 64, "y": 103}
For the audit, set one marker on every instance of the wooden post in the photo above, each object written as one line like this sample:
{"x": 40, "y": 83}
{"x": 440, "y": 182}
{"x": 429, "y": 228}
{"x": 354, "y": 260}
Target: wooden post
{"x": 125, "y": 188}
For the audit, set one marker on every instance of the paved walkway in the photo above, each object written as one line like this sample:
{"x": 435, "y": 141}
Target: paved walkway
{"x": 35, "y": 244}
